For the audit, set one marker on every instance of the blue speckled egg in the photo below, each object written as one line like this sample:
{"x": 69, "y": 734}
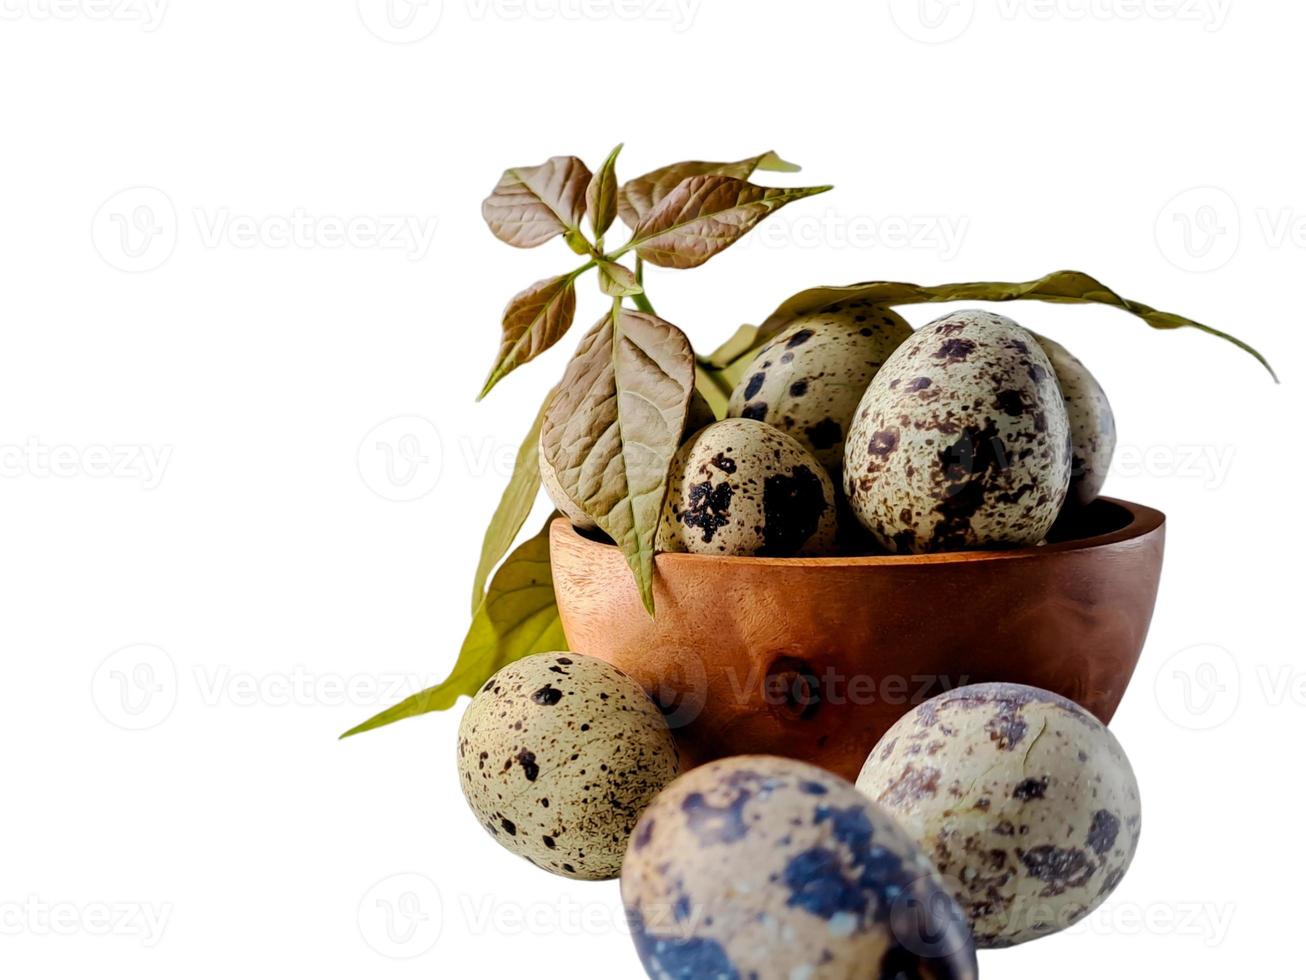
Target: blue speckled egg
{"x": 772, "y": 869}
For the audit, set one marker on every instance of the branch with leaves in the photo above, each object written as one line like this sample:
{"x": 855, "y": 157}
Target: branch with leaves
{"x": 610, "y": 428}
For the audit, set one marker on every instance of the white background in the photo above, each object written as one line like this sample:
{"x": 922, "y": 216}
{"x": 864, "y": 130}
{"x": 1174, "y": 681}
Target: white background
{"x": 207, "y": 573}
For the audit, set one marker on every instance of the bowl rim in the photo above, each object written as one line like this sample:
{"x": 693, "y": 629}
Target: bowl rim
{"x": 1143, "y": 521}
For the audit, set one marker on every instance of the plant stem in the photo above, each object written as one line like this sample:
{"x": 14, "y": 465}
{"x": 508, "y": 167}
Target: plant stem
{"x": 641, "y": 299}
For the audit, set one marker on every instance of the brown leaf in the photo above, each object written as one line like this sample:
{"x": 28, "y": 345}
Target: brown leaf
{"x": 602, "y": 194}
{"x": 705, "y": 215}
{"x": 641, "y": 195}
{"x": 613, "y": 426}
{"x": 1066, "y": 286}
{"x": 530, "y": 205}
{"x": 533, "y": 322}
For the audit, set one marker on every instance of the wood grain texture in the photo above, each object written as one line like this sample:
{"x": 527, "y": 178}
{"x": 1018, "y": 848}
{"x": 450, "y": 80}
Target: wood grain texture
{"x": 815, "y": 658}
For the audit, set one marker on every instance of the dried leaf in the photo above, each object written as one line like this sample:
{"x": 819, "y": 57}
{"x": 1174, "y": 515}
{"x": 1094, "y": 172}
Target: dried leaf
{"x": 533, "y": 321}
{"x": 613, "y": 426}
{"x": 1059, "y": 287}
{"x": 514, "y": 507}
{"x": 518, "y": 617}
{"x": 602, "y": 195}
{"x": 705, "y": 215}
{"x": 530, "y": 205}
{"x": 642, "y": 194}
{"x": 617, "y": 280}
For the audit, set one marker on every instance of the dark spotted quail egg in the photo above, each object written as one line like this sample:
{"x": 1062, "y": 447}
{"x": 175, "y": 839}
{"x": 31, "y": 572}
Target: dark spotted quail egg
{"x": 774, "y": 869}
{"x": 1023, "y": 799}
{"x": 558, "y": 755}
{"x": 740, "y": 487}
{"x": 808, "y": 381}
{"x": 700, "y": 414}
{"x": 1092, "y": 423}
{"x": 961, "y": 440}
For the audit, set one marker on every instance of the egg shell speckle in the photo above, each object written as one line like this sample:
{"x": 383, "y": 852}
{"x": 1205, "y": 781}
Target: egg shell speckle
{"x": 740, "y": 487}
{"x": 1023, "y": 799}
{"x": 770, "y": 869}
{"x": 558, "y": 755}
{"x": 961, "y": 441}
{"x": 1092, "y": 423}
{"x": 808, "y": 381}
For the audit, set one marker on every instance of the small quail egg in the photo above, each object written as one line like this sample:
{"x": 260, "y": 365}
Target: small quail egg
{"x": 772, "y": 869}
{"x": 808, "y": 381}
{"x": 558, "y": 755}
{"x": 740, "y": 487}
{"x": 1023, "y": 799}
{"x": 961, "y": 440}
{"x": 1092, "y": 423}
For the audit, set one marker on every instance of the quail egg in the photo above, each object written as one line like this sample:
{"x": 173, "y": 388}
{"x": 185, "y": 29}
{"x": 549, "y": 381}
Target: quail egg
{"x": 808, "y": 381}
{"x": 1023, "y": 799}
{"x": 558, "y": 755}
{"x": 770, "y": 868}
{"x": 700, "y": 414}
{"x": 740, "y": 487}
{"x": 1092, "y": 423}
{"x": 961, "y": 440}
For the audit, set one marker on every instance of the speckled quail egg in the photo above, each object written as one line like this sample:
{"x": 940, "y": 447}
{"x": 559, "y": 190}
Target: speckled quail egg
{"x": 770, "y": 868}
{"x": 1023, "y": 799}
{"x": 700, "y": 415}
{"x": 740, "y": 487}
{"x": 808, "y": 381}
{"x": 558, "y": 755}
{"x": 1092, "y": 423}
{"x": 961, "y": 441}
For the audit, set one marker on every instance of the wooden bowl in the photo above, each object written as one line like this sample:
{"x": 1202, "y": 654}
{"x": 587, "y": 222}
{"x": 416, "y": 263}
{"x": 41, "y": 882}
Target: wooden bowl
{"x": 815, "y": 657}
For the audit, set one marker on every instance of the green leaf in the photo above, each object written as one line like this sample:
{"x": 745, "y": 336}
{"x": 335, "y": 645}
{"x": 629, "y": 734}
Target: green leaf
{"x": 712, "y": 388}
{"x": 602, "y": 195}
{"x": 519, "y": 617}
{"x": 1059, "y": 287}
{"x": 514, "y": 507}
{"x": 642, "y": 194}
{"x": 741, "y": 342}
{"x": 705, "y": 215}
{"x": 614, "y": 425}
{"x": 617, "y": 280}
{"x": 578, "y": 243}
{"x": 530, "y": 205}
{"x": 533, "y": 321}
